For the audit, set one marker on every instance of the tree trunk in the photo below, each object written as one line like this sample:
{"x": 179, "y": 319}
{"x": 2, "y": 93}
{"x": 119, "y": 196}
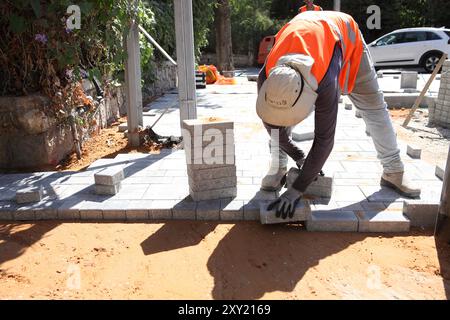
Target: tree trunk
{"x": 224, "y": 47}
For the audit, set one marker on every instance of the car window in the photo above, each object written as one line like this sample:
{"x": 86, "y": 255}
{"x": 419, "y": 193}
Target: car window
{"x": 390, "y": 39}
{"x": 448, "y": 33}
{"x": 414, "y": 36}
{"x": 433, "y": 36}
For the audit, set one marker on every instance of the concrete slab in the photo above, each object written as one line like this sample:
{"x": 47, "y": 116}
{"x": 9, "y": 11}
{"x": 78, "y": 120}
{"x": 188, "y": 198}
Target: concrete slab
{"x": 185, "y": 210}
{"x": 301, "y": 214}
{"x": 332, "y": 221}
{"x": 384, "y": 221}
{"x": 214, "y": 194}
{"x": 30, "y": 194}
{"x": 208, "y": 210}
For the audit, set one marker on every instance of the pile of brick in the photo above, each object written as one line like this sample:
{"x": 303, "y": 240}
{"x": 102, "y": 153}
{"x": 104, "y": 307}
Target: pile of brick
{"x": 210, "y": 157}
{"x": 440, "y": 114}
{"x": 109, "y": 181}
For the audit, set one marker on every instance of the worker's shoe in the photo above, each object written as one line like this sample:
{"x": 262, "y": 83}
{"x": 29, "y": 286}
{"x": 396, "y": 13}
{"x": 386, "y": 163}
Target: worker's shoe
{"x": 274, "y": 181}
{"x": 401, "y": 184}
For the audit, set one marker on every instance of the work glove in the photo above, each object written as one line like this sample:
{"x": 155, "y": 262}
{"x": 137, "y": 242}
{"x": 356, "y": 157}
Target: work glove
{"x": 285, "y": 205}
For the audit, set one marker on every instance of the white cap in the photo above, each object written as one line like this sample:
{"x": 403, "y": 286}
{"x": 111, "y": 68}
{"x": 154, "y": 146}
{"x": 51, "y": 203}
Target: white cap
{"x": 288, "y": 95}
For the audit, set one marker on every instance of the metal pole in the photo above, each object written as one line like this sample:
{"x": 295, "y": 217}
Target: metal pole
{"x": 337, "y": 5}
{"x": 184, "y": 29}
{"x": 156, "y": 44}
{"x": 133, "y": 81}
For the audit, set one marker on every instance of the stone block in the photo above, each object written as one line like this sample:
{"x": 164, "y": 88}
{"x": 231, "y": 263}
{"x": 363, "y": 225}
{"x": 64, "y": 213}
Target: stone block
{"x": 123, "y": 127}
{"x": 185, "y": 210}
{"x": 302, "y": 213}
{"x": 70, "y": 209}
{"x": 252, "y": 210}
{"x": 214, "y": 194}
{"x": 214, "y": 155}
{"x": 110, "y": 177}
{"x": 162, "y": 209}
{"x": 252, "y": 77}
{"x": 29, "y": 195}
{"x": 212, "y": 184}
{"x": 358, "y": 114}
{"x": 322, "y": 187}
{"x": 106, "y": 190}
{"x": 207, "y": 126}
{"x": 114, "y": 210}
{"x": 210, "y": 141}
{"x": 409, "y": 80}
{"x": 214, "y": 173}
{"x": 24, "y": 214}
{"x": 231, "y": 210}
{"x": 421, "y": 214}
{"x": 348, "y": 106}
{"x": 341, "y": 99}
{"x": 137, "y": 210}
{"x": 440, "y": 171}
{"x": 414, "y": 152}
{"x": 332, "y": 221}
{"x": 383, "y": 221}
{"x": 209, "y": 210}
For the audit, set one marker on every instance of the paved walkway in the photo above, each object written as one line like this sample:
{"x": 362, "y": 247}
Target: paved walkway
{"x": 156, "y": 186}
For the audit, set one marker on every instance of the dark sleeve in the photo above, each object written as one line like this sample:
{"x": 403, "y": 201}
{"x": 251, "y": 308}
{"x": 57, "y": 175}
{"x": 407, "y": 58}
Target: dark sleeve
{"x": 285, "y": 142}
{"x": 325, "y": 126}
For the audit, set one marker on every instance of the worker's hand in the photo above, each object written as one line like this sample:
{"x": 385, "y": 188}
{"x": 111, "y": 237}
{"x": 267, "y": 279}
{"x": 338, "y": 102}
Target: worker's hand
{"x": 285, "y": 205}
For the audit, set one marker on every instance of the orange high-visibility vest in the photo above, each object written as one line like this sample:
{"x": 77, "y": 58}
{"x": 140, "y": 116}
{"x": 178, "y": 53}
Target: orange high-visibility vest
{"x": 316, "y": 34}
{"x": 305, "y": 8}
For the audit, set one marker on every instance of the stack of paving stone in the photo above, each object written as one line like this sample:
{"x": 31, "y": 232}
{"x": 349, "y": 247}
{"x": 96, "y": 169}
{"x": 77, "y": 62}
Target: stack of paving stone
{"x": 210, "y": 157}
{"x": 109, "y": 180}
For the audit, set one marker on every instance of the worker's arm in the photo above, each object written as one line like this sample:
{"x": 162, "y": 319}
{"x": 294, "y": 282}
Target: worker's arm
{"x": 325, "y": 124}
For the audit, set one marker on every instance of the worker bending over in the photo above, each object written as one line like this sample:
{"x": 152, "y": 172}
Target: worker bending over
{"x": 316, "y": 57}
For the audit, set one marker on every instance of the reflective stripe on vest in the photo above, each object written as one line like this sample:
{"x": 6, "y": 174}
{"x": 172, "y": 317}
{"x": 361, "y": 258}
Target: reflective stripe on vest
{"x": 315, "y": 34}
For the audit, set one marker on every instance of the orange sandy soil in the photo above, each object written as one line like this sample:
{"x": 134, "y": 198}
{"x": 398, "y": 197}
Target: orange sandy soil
{"x": 198, "y": 260}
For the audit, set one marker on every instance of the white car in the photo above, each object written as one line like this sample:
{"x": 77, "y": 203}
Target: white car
{"x": 411, "y": 47}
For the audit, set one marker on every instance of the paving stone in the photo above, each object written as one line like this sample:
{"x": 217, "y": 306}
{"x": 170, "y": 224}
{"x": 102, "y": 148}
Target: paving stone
{"x": 203, "y": 166}
{"x": 251, "y": 210}
{"x": 384, "y": 221}
{"x": 302, "y": 133}
{"x": 107, "y": 190}
{"x": 114, "y": 210}
{"x": 110, "y": 176}
{"x": 166, "y": 192}
{"x": 322, "y": 187}
{"x": 224, "y": 159}
{"x": 209, "y": 210}
{"x": 348, "y": 106}
{"x": 185, "y": 210}
{"x": 421, "y": 214}
{"x": 123, "y": 127}
{"x": 414, "y": 152}
{"x": 24, "y": 214}
{"x": 210, "y": 151}
{"x": 29, "y": 195}
{"x": 253, "y": 192}
{"x": 162, "y": 209}
{"x": 201, "y": 127}
{"x": 231, "y": 210}
{"x": 7, "y": 209}
{"x": 70, "y": 209}
{"x": 358, "y": 114}
{"x": 91, "y": 210}
{"x": 332, "y": 221}
{"x": 381, "y": 194}
{"x": 440, "y": 171}
{"x": 138, "y": 210}
{"x": 213, "y": 184}
{"x": 214, "y": 194}
{"x": 214, "y": 173}
{"x": 302, "y": 213}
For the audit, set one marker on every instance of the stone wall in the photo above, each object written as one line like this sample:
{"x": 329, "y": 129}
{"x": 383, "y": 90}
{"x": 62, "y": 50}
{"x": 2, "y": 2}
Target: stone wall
{"x": 31, "y": 136}
{"x": 166, "y": 79}
{"x": 440, "y": 113}
{"x": 240, "y": 60}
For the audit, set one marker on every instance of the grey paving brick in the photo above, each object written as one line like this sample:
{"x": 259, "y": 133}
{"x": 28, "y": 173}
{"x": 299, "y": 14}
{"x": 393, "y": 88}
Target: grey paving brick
{"x": 213, "y": 184}
{"x": 214, "y": 194}
{"x": 110, "y": 176}
{"x": 185, "y": 210}
{"x": 384, "y": 221}
{"x": 251, "y": 210}
{"x": 381, "y": 194}
{"x": 322, "y": 187}
{"x": 253, "y": 192}
{"x": 138, "y": 210}
{"x": 348, "y": 106}
{"x": 7, "y": 209}
{"x": 70, "y": 209}
{"x": 414, "y": 152}
{"x": 108, "y": 190}
{"x": 210, "y": 152}
{"x": 162, "y": 209}
{"x": 166, "y": 192}
{"x": 208, "y": 210}
{"x": 22, "y": 214}
{"x": 203, "y": 166}
{"x": 92, "y": 215}
{"x": 420, "y": 213}
{"x": 231, "y": 210}
{"x": 215, "y": 173}
{"x": 114, "y": 209}
{"x": 301, "y": 214}
{"x": 201, "y": 127}
{"x": 332, "y": 221}
{"x": 358, "y": 114}
{"x": 30, "y": 194}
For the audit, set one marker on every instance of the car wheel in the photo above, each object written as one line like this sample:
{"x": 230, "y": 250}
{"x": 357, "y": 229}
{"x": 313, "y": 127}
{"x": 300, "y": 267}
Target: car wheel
{"x": 430, "y": 62}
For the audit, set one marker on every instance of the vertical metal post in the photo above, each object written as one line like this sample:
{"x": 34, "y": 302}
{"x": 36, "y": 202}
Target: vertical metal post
{"x": 133, "y": 81}
{"x": 337, "y": 5}
{"x": 184, "y": 29}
